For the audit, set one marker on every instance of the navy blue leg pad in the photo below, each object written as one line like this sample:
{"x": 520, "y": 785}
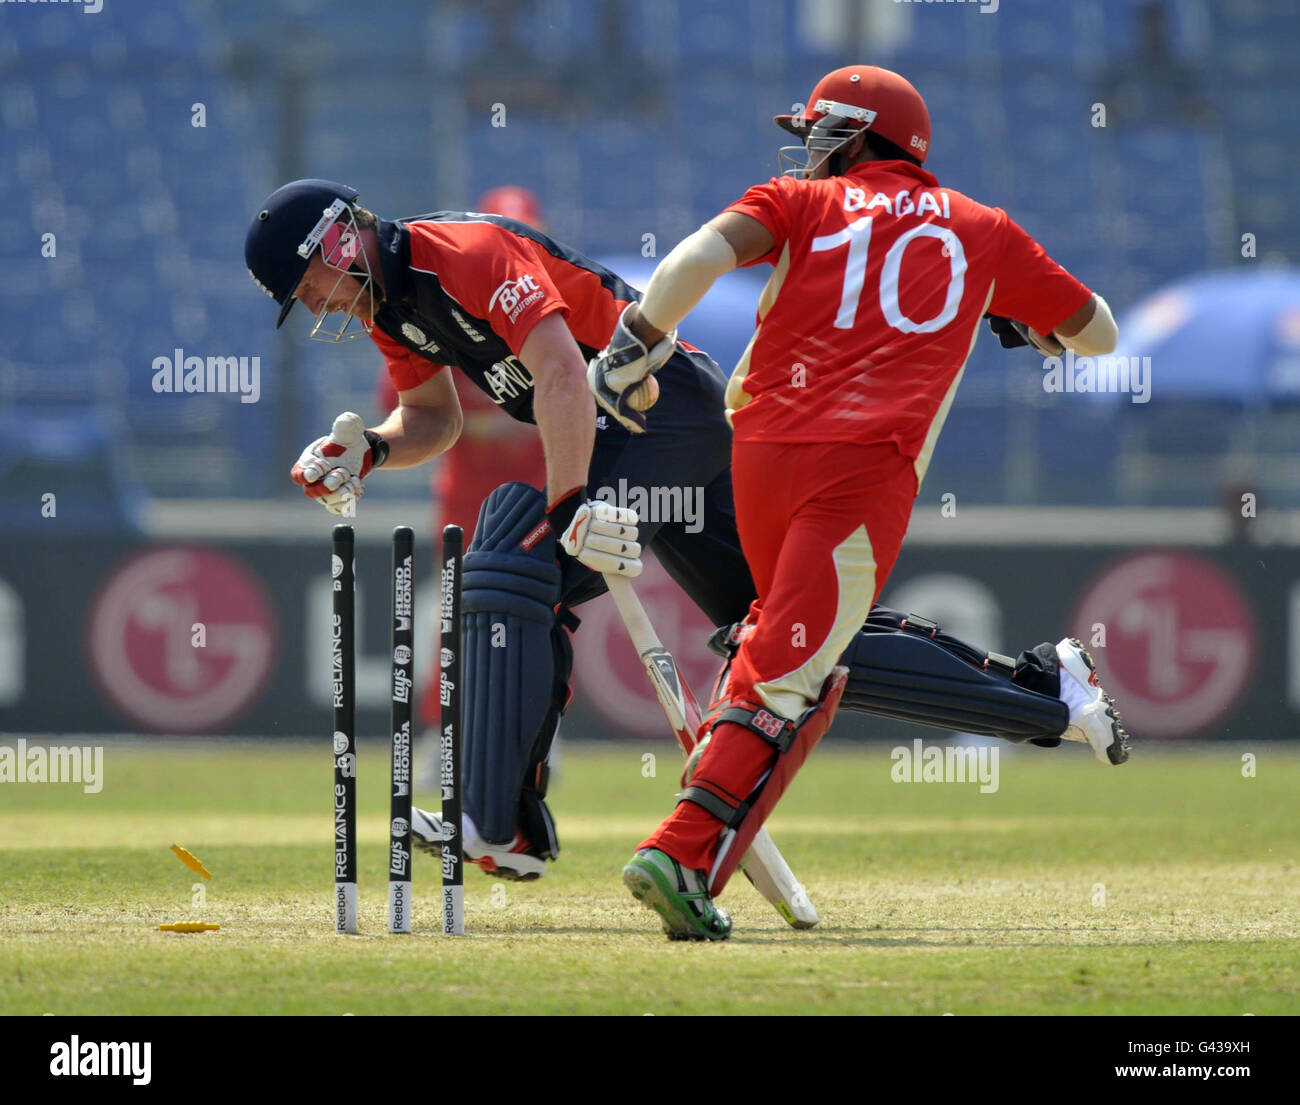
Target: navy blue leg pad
{"x": 911, "y": 678}
{"x": 512, "y": 584}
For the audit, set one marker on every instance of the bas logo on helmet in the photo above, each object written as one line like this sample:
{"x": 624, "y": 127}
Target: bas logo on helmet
{"x": 181, "y": 640}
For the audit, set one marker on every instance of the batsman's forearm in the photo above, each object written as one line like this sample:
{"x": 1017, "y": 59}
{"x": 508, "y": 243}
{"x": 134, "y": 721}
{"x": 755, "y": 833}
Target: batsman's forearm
{"x": 566, "y": 417}
{"x": 417, "y": 434}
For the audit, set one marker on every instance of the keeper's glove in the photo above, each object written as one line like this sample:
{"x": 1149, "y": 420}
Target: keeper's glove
{"x": 615, "y": 374}
{"x": 1013, "y": 334}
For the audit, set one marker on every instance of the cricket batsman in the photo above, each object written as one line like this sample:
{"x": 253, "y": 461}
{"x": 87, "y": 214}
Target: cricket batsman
{"x": 520, "y": 316}
{"x": 881, "y": 277}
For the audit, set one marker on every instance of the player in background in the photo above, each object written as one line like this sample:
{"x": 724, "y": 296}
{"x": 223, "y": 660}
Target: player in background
{"x": 490, "y": 451}
{"x": 881, "y": 279}
{"x": 520, "y": 316}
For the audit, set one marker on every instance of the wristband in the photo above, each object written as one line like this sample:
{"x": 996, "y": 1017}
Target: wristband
{"x": 378, "y": 449}
{"x": 561, "y": 513}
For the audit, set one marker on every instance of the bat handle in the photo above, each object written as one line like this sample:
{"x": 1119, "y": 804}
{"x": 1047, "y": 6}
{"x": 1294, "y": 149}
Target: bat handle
{"x": 639, "y": 626}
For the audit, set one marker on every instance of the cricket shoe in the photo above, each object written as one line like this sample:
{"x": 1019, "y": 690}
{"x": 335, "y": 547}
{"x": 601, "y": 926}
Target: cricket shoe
{"x": 1094, "y": 719}
{"x": 518, "y": 862}
{"x": 679, "y": 895}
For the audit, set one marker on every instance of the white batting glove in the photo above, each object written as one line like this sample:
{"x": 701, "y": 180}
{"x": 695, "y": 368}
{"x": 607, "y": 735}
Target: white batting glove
{"x": 332, "y": 468}
{"x": 615, "y": 373}
{"x": 604, "y": 538}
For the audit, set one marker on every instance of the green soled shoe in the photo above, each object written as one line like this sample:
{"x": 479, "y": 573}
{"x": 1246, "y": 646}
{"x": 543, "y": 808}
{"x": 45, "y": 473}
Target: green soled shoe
{"x": 677, "y": 894}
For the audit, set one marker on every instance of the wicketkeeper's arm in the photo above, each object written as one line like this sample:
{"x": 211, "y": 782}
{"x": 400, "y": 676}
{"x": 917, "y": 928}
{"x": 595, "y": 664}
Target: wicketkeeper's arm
{"x": 1089, "y": 332}
{"x": 646, "y": 334}
{"x": 682, "y": 280}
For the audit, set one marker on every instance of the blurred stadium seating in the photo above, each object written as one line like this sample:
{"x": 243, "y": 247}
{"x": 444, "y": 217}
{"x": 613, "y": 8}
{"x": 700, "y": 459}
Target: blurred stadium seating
{"x": 627, "y": 118}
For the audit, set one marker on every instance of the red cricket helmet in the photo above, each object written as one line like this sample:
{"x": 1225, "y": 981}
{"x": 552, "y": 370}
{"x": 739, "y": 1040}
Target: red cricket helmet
{"x": 855, "y": 98}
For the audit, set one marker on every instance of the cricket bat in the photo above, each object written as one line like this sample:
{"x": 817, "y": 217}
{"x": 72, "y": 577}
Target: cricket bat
{"x": 763, "y": 864}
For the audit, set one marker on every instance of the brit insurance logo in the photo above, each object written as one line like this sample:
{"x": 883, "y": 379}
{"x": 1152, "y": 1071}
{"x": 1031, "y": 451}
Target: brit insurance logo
{"x": 181, "y": 640}
{"x": 515, "y": 295}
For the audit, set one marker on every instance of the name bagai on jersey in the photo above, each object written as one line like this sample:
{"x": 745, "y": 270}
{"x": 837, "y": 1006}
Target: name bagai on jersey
{"x": 903, "y": 203}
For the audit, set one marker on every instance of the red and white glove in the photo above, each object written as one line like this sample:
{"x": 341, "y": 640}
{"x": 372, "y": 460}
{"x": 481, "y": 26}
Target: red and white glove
{"x": 600, "y": 535}
{"x": 332, "y": 468}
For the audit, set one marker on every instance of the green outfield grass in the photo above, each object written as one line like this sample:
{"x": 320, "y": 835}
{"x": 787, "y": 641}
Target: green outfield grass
{"x": 934, "y": 898}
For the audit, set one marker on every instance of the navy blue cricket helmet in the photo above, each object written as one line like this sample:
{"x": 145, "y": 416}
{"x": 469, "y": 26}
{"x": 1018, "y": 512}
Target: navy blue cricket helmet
{"x": 286, "y": 229}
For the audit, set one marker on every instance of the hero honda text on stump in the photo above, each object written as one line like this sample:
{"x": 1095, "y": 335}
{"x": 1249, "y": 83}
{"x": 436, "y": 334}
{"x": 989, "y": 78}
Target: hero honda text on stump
{"x": 402, "y": 684}
{"x": 453, "y": 874}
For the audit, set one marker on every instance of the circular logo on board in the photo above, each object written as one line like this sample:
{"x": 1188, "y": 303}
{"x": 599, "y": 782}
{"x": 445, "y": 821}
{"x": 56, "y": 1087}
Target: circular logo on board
{"x": 447, "y": 657}
{"x": 608, "y": 672}
{"x": 336, "y": 566}
{"x": 402, "y": 654}
{"x": 181, "y": 640}
{"x": 399, "y": 826}
{"x": 1180, "y": 641}
{"x": 340, "y": 743}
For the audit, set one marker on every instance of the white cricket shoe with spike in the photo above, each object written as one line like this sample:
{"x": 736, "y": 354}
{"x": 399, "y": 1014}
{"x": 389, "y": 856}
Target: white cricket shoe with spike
{"x": 1094, "y": 719}
{"x": 516, "y": 861}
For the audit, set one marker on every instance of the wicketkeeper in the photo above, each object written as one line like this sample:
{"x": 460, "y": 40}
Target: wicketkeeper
{"x": 881, "y": 277}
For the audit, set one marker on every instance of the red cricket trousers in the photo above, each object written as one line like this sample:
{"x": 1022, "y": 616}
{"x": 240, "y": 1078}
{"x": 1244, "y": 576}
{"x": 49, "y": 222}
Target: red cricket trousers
{"x": 820, "y": 526}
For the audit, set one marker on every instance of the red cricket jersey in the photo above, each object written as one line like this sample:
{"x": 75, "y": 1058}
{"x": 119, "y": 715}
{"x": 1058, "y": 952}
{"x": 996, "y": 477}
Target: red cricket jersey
{"x": 881, "y": 280}
{"x": 467, "y": 289}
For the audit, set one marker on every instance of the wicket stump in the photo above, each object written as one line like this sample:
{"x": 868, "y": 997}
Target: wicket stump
{"x": 453, "y": 874}
{"x": 343, "y": 640}
{"x": 399, "y": 841}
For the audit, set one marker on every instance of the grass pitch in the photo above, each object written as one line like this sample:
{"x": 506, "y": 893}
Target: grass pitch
{"x": 1169, "y": 885}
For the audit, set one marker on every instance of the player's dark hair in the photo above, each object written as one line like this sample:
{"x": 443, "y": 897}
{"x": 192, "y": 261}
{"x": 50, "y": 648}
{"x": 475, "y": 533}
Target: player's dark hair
{"x": 885, "y": 150}
{"x": 366, "y": 220}
{"x": 882, "y": 148}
